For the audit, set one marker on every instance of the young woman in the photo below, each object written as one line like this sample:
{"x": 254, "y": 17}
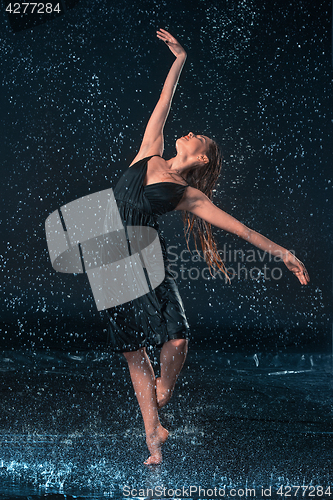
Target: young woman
{"x": 150, "y": 187}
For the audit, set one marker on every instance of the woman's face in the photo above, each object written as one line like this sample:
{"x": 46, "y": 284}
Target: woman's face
{"x": 192, "y": 145}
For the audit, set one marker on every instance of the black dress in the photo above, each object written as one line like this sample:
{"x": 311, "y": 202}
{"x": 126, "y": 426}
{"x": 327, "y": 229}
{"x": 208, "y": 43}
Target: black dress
{"x": 158, "y": 316}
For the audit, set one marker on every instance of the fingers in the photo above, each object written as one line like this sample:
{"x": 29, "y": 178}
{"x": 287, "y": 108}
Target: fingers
{"x": 165, "y": 36}
{"x": 305, "y": 275}
{"x": 302, "y": 275}
{"x": 163, "y": 32}
{"x": 299, "y": 270}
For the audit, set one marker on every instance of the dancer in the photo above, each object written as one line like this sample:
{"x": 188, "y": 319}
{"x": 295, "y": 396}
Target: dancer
{"x": 150, "y": 187}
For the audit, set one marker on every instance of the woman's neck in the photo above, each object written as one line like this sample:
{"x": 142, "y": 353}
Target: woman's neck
{"x": 179, "y": 166}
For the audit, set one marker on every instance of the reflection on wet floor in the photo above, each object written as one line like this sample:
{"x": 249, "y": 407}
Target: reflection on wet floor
{"x": 70, "y": 425}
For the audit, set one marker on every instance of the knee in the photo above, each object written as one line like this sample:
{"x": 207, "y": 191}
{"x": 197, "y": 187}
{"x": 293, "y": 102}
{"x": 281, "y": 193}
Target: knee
{"x": 180, "y": 344}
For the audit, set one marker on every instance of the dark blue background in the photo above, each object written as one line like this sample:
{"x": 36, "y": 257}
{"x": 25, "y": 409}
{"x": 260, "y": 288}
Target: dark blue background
{"x": 76, "y": 95}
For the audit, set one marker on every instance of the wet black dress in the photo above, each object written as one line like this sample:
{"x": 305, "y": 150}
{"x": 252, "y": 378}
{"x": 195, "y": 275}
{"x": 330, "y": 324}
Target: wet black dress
{"x": 159, "y": 315}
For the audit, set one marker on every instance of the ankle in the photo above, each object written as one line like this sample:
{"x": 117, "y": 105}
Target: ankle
{"x": 153, "y": 433}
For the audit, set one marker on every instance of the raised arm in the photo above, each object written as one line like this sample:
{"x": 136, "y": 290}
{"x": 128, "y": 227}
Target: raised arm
{"x": 199, "y": 204}
{"x": 153, "y": 142}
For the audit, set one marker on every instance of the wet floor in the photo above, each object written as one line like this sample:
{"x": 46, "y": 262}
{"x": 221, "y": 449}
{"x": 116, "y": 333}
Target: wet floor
{"x": 71, "y": 428}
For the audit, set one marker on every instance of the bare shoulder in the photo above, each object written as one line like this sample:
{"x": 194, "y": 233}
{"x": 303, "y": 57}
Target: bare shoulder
{"x": 192, "y": 197}
{"x": 145, "y": 153}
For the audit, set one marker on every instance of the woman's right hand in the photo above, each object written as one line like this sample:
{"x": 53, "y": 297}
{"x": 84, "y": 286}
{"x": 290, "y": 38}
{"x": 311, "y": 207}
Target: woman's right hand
{"x": 171, "y": 42}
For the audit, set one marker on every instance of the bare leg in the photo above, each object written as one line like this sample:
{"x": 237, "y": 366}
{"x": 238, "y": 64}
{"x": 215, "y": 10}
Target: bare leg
{"x": 172, "y": 358}
{"x": 143, "y": 379}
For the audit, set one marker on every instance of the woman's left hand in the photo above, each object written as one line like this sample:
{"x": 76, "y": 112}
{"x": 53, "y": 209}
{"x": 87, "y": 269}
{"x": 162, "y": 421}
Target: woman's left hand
{"x": 296, "y": 267}
{"x": 171, "y": 42}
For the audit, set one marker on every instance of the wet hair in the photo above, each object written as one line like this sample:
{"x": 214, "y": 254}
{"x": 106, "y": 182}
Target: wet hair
{"x": 205, "y": 179}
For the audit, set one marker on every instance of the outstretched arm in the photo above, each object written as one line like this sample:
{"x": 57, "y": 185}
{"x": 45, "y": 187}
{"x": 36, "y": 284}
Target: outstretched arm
{"x": 153, "y": 142}
{"x": 199, "y": 204}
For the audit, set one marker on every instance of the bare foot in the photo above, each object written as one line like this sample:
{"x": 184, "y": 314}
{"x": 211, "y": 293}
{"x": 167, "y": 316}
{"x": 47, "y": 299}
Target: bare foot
{"x": 154, "y": 443}
{"x": 162, "y": 395}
